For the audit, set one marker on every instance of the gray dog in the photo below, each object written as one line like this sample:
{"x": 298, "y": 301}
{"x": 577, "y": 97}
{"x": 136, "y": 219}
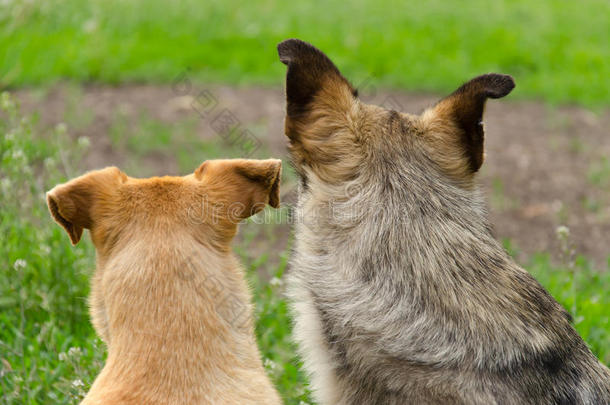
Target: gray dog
{"x": 401, "y": 294}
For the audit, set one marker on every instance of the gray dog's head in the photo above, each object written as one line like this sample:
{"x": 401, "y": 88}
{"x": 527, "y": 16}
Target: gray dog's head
{"x": 336, "y": 137}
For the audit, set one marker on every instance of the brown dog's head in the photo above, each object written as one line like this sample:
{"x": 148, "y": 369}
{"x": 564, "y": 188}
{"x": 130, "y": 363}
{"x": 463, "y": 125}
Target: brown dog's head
{"x": 207, "y": 204}
{"x": 336, "y": 137}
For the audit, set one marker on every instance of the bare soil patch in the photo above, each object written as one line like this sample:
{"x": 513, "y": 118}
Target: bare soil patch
{"x": 544, "y": 167}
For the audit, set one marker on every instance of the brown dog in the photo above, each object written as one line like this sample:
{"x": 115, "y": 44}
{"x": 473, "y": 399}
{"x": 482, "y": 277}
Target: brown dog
{"x": 168, "y": 296}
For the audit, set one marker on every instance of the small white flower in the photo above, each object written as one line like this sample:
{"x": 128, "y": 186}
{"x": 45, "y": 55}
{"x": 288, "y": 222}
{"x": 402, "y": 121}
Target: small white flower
{"x": 61, "y": 128}
{"x": 18, "y": 154}
{"x": 270, "y": 364}
{"x": 563, "y": 231}
{"x": 46, "y": 249}
{"x": 90, "y": 25}
{"x": 275, "y": 282}
{"x": 5, "y": 101}
{"x": 49, "y": 162}
{"x": 78, "y": 383}
{"x": 83, "y": 142}
{"x": 10, "y": 136}
{"x": 74, "y": 352}
{"x": 5, "y": 185}
{"x": 20, "y": 264}
{"x": 63, "y": 356}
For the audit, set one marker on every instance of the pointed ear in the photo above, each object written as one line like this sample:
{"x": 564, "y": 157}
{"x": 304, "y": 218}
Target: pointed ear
{"x": 312, "y": 77}
{"x": 321, "y": 111}
{"x": 71, "y": 204}
{"x": 458, "y": 121}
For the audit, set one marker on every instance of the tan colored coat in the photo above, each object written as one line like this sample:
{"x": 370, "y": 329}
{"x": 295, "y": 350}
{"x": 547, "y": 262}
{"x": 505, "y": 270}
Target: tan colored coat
{"x": 168, "y": 296}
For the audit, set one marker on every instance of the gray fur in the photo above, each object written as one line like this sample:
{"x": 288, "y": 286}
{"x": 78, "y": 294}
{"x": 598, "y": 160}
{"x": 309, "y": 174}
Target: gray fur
{"x": 400, "y": 292}
{"x": 420, "y": 304}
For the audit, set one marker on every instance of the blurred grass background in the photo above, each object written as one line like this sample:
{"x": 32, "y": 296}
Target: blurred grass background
{"x": 558, "y": 51}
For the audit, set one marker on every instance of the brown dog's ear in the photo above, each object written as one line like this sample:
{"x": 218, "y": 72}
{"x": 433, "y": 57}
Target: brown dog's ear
{"x": 461, "y": 115}
{"x": 264, "y": 176}
{"x": 71, "y": 203}
{"x": 245, "y": 185}
{"x": 311, "y": 77}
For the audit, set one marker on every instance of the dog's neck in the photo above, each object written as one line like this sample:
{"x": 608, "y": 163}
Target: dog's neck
{"x": 396, "y": 213}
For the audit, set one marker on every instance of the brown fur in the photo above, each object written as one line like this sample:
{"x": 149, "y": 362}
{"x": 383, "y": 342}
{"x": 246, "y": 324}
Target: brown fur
{"x": 168, "y": 296}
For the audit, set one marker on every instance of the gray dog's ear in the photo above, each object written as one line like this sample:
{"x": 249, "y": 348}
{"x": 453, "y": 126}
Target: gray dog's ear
{"x": 458, "y": 120}
{"x": 311, "y": 77}
{"x": 320, "y": 107}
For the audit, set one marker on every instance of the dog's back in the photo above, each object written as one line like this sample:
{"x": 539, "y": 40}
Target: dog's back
{"x": 168, "y": 296}
{"x": 182, "y": 329}
{"x": 383, "y": 318}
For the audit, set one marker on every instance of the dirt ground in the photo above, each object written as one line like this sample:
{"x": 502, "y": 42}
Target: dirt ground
{"x": 545, "y": 167}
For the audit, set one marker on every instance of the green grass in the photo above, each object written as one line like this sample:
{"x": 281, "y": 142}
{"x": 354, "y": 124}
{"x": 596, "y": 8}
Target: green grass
{"x": 49, "y": 352}
{"x": 558, "y": 50}
{"x": 599, "y": 172}
{"x": 584, "y": 293}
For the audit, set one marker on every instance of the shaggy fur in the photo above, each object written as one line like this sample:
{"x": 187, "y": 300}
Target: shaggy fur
{"x": 401, "y": 294}
{"x": 168, "y": 296}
